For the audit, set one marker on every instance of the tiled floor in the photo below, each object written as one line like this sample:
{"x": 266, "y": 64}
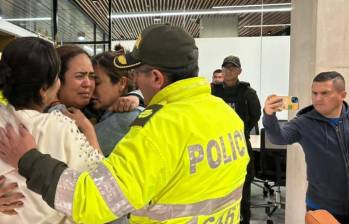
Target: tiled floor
{"x": 258, "y": 214}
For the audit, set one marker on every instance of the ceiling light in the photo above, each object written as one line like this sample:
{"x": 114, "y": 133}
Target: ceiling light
{"x": 28, "y": 19}
{"x": 157, "y": 19}
{"x": 266, "y": 25}
{"x": 257, "y": 5}
{"x": 81, "y": 36}
{"x": 215, "y": 11}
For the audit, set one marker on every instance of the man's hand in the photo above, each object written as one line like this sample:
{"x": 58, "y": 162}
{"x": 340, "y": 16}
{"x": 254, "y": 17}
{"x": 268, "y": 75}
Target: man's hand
{"x": 272, "y": 104}
{"x": 125, "y": 104}
{"x": 13, "y": 146}
{"x": 9, "y": 200}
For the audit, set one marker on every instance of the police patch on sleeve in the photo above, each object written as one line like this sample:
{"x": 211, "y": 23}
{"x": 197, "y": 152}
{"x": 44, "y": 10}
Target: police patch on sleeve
{"x": 145, "y": 116}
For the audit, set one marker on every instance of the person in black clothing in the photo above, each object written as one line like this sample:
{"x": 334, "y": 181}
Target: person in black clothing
{"x": 244, "y": 100}
{"x": 217, "y": 77}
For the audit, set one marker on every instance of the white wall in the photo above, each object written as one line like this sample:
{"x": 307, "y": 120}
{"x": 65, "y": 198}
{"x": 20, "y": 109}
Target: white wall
{"x": 264, "y": 61}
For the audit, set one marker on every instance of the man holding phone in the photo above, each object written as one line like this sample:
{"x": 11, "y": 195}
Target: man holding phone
{"x": 322, "y": 129}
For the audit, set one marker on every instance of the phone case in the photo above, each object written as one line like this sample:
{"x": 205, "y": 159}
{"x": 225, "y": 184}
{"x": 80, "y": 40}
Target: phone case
{"x": 290, "y": 103}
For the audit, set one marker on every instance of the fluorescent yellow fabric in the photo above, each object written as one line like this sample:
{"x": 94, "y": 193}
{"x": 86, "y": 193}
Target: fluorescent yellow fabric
{"x": 152, "y": 164}
{"x": 2, "y": 99}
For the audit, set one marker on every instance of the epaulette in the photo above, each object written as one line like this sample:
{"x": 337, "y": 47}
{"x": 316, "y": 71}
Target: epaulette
{"x": 146, "y": 114}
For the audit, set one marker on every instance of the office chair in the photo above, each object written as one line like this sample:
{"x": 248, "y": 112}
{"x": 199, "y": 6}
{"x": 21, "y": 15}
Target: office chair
{"x": 255, "y": 130}
{"x": 270, "y": 167}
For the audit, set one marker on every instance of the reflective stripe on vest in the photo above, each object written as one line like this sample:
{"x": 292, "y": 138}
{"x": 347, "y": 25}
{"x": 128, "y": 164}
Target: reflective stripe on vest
{"x": 110, "y": 191}
{"x": 162, "y": 212}
{"x": 104, "y": 181}
{"x": 65, "y": 191}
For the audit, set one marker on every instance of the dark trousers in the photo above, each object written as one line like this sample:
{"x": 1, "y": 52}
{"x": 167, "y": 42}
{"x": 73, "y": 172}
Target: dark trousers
{"x": 343, "y": 219}
{"x": 245, "y": 209}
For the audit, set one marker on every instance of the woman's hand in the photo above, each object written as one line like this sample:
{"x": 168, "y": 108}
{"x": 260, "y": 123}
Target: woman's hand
{"x": 125, "y": 104}
{"x": 80, "y": 119}
{"x": 84, "y": 125}
{"x": 9, "y": 200}
{"x": 13, "y": 146}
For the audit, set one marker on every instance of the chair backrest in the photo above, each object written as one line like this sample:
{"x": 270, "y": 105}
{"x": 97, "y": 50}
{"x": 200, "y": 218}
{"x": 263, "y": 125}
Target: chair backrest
{"x": 320, "y": 217}
{"x": 266, "y": 143}
{"x": 272, "y": 160}
{"x": 255, "y": 130}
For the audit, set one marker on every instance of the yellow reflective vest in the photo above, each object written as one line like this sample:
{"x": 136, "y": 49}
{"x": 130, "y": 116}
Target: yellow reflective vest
{"x": 2, "y": 99}
{"x": 183, "y": 161}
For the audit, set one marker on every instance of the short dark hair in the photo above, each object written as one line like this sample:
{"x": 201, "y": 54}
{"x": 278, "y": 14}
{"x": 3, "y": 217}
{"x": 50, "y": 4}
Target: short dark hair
{"x": 337, "y": 78}
{"x": 66, "y": 54}
{"x": 217, "y": 71}
{"x": 27, "y": 65}
{"x": 118, "y": 48}
{"x": 105, "y": 61}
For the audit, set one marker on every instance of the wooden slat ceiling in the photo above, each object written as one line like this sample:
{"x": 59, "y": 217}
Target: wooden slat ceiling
{"x": 129, "y": 28}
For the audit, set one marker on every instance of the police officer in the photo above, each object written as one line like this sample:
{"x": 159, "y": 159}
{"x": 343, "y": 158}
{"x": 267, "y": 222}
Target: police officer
{"x": 183, "y": 161}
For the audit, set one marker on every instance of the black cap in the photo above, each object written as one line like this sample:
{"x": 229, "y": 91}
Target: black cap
{"x": 164, "y": 46}
{"x": 232, "y": 60}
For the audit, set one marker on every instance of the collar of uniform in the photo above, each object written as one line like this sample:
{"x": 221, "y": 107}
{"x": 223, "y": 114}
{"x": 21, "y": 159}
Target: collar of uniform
{"x": 181, "y": 89}
{"x": 2, "y": 99}
{"x": 236, "y": 84}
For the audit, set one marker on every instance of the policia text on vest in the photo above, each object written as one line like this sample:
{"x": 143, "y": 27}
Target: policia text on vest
{"x": 216, "y": 151}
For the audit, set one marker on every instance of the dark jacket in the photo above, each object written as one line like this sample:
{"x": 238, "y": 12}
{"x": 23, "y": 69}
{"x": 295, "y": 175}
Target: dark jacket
{"x": 326, "y": 154}
{"x": 243, "y": 99}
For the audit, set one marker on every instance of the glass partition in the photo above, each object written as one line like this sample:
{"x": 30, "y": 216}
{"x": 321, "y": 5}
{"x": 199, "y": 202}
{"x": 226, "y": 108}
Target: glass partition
{"x": 257, "y": 31}
{"x": 33, "y": 15}
{"x": 73, "y": 25}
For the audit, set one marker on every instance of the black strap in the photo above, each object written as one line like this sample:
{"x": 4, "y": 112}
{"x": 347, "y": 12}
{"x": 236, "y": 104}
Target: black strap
{"x": 145, "y": 116}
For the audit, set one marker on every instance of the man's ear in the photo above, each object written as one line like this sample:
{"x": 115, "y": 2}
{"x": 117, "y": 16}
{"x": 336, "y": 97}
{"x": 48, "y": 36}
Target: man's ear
{"x": 159, "y": 79}
{"x": 123, "y": 83}
{"x": 344, "y": 94}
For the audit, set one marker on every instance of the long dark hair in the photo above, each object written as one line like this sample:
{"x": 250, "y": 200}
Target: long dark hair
{"x": 66, "y": 54}
{"x": 105, "y": 61}
{"x": 27, "y": 65}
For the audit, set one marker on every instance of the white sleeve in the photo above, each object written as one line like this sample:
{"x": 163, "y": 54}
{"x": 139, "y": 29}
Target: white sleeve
{"x": 72, "y": 144}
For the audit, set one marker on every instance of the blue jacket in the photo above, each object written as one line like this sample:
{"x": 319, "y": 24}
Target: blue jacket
{"x": 326, "y": 154}
{"x": 112, "y": 127}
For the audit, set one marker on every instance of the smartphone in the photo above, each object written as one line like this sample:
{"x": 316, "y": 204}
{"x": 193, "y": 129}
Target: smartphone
{"x": 290, "y": 103}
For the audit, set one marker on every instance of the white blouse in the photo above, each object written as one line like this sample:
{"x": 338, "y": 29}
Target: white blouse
{"x": 57, "y": 135}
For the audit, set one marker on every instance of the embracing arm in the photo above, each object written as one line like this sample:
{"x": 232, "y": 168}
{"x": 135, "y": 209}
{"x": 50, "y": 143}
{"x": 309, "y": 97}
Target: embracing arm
{"x": 120, "y": 183}
{"x": 128, "y": 103}
{"x": 42, "y": 173}
{"x": 19, "y": 151}
{"x": 84, "y": 125}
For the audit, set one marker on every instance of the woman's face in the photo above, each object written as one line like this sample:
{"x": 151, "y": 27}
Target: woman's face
{"x": 79, "y": 82}
{"x": 106, "y": 93}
